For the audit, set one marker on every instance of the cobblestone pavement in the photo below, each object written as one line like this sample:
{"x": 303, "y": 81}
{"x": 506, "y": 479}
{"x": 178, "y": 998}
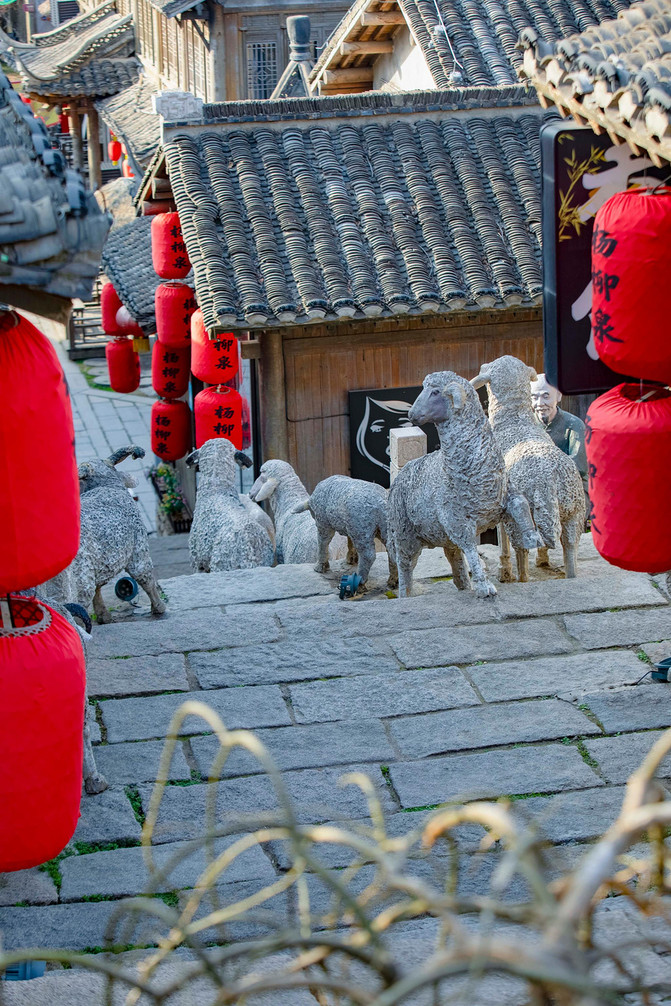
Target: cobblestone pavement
{"x": 442, "y": 696}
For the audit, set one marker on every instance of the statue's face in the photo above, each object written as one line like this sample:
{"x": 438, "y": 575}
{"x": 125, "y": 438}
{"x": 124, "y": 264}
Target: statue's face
{"x": 544, "y": 399}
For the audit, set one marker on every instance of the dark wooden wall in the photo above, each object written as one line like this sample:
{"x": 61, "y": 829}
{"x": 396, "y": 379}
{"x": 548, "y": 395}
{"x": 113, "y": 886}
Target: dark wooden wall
{"x": 322, "y": 363}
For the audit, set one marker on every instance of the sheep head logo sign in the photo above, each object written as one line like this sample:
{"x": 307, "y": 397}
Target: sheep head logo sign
{"x": 372, "y": 415}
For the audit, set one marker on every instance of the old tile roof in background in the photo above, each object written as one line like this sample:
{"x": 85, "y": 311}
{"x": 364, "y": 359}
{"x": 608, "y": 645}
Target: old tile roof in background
{"x": 51, "y": 229}
{"x": 101, "y": 36}
{"x": 96, "y": 78}
{"x": 474, "y": 42}
{"x": 126, "y": 261}
{"x": 130, "y": 117}
{"x": 367, "y": 212}
{"x": 616, "y": 75}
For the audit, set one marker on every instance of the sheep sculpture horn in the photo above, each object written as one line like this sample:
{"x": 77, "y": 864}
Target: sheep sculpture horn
{"x": 125, "y": 452}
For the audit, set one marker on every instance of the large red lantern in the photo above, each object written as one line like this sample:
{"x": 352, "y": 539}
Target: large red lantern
{"x": 64, "y": 122}
{"x": 168, "y": 250}
{"x": 123, "y": 365}
{"x": 631, "y": 257}
{"x": 174, "y": 304}
{"x": 170, "y": 430}
{"x": 39, "y": 487}
{"x": 110, "y": 303}
{"x": 126, "y": 323}
{"x": 628, "y": 445}
{"x": 218, "y": 413}
{"x": 42, "y": 683}
{"x": 114, "y": 150}
{"x": 170, "y": 370}
{"x": 214, "y": 361}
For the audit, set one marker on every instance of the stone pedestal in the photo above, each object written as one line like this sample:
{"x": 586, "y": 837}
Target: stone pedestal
{"x": 405, "y": 444}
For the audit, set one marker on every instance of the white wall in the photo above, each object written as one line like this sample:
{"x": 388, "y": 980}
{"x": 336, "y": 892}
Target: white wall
{"x": 404, "y": 69}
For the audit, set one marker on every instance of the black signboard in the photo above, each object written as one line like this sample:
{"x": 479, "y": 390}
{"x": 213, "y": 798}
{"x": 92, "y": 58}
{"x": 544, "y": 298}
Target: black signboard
{"x": 372, "y": 414}
{"x": 580, "y": 172}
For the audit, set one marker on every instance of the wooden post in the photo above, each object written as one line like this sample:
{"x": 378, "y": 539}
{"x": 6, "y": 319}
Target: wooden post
{"x": 273, "y": 398}
{"x": 230, "y": 61}
{"x": 76, "y": 133}
{"x": 95, "y": 173}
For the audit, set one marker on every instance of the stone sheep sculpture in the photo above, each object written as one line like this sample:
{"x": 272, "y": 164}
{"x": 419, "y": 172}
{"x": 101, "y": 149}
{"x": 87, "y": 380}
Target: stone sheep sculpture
{"x": 449, "y": 497}
{"x": 296, "y": 537}
{"x": 536, "y": 468}
{"x": 229, "y": 531}
{"x": 353, "y": 508}
{"x": 113, "y": 538}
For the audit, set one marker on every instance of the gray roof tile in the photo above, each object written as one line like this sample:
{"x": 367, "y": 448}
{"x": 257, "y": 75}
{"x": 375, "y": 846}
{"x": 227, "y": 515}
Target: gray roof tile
{"x": 130, "y": 116}
{"x": 126, "y": 261}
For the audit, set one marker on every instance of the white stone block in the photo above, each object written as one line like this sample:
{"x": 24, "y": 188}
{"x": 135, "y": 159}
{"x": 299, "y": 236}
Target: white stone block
{"x": 177, "y": 106}
{"x": 405, "y": 444}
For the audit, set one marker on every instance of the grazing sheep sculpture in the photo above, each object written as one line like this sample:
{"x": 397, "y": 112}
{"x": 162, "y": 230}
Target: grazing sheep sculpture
{"x": 228, "y": 531}
{"x": 296, "y": 533}
{"x": 449, "y": 497}
{"x": 353, "y": 508}
{"x": 113, "y": 538}
{"x": 536, "y": 468}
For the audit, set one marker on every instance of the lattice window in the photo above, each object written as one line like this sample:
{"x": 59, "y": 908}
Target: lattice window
{"x": 196, "y": 38}
{"x": 173, "y": 51}
{"x": 145, "y": 29}
{"x": 261, "y": 69}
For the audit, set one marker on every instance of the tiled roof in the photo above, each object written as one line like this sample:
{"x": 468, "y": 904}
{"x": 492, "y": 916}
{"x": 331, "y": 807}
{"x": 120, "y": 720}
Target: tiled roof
{"x": 98, "y": 77}
{"x": 171, "y": 8}
{"x": 616, "y": 76}
{"x": 470, "y": 42}
{"x": 130, "y": 117}
{"x": 66, "y": 50}
{"x": 126, "y": 261}
{"x": 367, "y": 212}
{"x": 51, "y": 229}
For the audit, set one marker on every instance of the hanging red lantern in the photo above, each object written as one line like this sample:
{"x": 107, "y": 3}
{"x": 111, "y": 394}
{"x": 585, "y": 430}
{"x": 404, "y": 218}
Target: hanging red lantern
{"x": 126, "y": 169}
{"x": 628, "y": 443}
{"x": 214, "y": 361}
{"x": 170, "y": 430}
{"x": 246, "y": 425}
{"x": 218, "y": 413}
{"x": 110, "y": 303}
{"x": 42, "y": 682}
{"x": 631, "y": 255}
{"x": 168, "y": 250}
{"x": 123, "y": 365}
{"x": 174, "y": 304}
{"x": 170, "y": 370}
{"x": 114, "y": 150}
{"x": 126, "y": 323}
{"x": 64, "y": 122}
{"x": 39, "y": 487}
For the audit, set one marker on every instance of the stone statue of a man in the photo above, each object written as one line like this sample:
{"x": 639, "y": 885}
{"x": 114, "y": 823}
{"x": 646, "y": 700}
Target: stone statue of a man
{"x": 566, "y": 431}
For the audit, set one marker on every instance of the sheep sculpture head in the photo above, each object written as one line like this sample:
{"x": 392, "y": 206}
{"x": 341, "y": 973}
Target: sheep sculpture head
{"x": 216, "y": 461}
{"x": 102, "y": 472}
{"x": 271, "y": 474}
{"x": 506, "y": 378}
{"x": 443, "y": 394}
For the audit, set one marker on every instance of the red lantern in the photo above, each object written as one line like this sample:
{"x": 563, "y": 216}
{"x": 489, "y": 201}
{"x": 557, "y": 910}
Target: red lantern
{"x": 214, "y": 361}
{"x": 42, "y": 682}
{"x": 168, "y": 250}
{"x": 170, "y": 429}
{"x": 170, "y": 370}
{"x": 126, "y": 169}
{"x": 114, "y": 150}
{"x": 123, "y": 364}
{"x": 110, "y": 303}
{"x": 126, "y": 323}
{"x": 218, "y": 413}
{"x": 39, "y": 487}
{"x": 631, "y": 256}
{"x": 174, "y": 304}
{"x": 64, "y": 123}
{"x": 246, "y": 425}
{"x": 629, "y": 453}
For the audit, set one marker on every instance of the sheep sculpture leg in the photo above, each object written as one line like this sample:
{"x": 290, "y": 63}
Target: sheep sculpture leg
{"x": 542, "y": 557}
{"x": 100, "y": 609}
{"x": 324, "y": 535}
{"x": 570, "y": 539}
{"x": 506, "y": 566}
{"x": 352, "y": 554}
{"x": 141, "y": 568}
{"x": 455, "y": 557}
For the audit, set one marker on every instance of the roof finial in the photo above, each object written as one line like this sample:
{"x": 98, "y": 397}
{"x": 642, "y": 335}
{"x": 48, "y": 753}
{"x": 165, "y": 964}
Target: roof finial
{"x": 298, "y": 30}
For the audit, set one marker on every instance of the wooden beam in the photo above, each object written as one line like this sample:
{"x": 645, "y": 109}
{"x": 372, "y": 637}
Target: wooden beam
{"x": 275, "y": 443}
{"x": 352, "y": 75}
{"x": 161, "y": 188}
{"x": 371, "y": 19}
{"x": 365, "y": 48}
{"x": 76, "y": 133}
{"x": 94, "y": 158}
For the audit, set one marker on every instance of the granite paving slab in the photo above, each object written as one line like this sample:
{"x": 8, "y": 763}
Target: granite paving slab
{"x": 70, "y": 927}
{"x": 127, "y": 763}
{"x": 491, "y": 774}
{"x": 657, "y": 651}
{"x": 381, "y": 695}
{"x": 572, "y": 817}
{"x": 204, "y": 590}
{"x": 292, "y": 660}
{"x": 570, "y": 675}
{"x": 311, "y": 746}
{"x": 144, "y": 718}
{"x": 619, "y": 628}
{"x": 32, "y": 886}
{"x": 619, "y": 756}
{"x": 204, "y": 629}
{"x": 136, "y": 675}
{"x": 439, "y": 647}
{"x": 125, "y": 871}
{"x": 596, "y": 588}
{"x": 488, "y": 726}
{"x": 106, "y": 817}
{"x": 315, "y": 794}
{"x": 639, "y": 707}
